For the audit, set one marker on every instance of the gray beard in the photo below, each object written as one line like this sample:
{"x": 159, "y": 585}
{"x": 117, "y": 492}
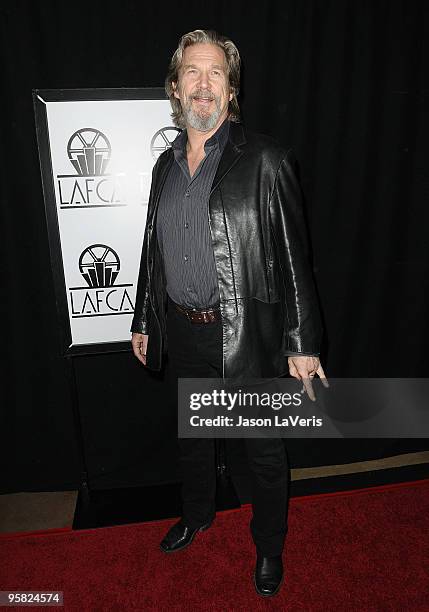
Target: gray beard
{"x": 203, "y": 123}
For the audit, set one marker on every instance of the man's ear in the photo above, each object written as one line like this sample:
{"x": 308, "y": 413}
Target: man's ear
{"x": 174, "y": 86}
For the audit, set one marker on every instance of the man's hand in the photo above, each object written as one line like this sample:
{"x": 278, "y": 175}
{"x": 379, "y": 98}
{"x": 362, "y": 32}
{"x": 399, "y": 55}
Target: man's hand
{"x": 139, "y": 342}
{"x": 304, "y": 368}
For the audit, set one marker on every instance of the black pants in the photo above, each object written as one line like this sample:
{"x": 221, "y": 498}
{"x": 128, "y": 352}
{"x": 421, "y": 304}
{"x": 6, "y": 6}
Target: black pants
{"x": 195, "y": 351}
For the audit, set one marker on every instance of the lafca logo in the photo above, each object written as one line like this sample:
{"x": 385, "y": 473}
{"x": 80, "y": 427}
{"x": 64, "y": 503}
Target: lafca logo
{"x": 89, "y": 152}
{"x": 162, "y": 140}
{"x": 99, "y": 265}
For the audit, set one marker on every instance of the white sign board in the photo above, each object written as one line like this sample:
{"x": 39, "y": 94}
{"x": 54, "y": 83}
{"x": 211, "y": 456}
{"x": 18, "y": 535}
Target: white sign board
{"x": 101, "y": 155}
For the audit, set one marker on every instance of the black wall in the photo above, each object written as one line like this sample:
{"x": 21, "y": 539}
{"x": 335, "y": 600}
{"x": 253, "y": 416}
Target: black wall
{"x": 342, "y": 82}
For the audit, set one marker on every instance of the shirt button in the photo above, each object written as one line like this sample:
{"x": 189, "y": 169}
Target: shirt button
{"x": 186, "y": 224}
{"x": 187, "y": 194}
{"x": 186, "y": 258}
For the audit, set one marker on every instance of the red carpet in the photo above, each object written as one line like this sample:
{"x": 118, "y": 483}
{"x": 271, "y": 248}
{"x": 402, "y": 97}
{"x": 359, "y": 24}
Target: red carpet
{"x": 365, "y": 551}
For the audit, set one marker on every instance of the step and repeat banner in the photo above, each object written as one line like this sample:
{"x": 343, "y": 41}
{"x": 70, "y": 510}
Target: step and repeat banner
{"x": 97, "y": 149}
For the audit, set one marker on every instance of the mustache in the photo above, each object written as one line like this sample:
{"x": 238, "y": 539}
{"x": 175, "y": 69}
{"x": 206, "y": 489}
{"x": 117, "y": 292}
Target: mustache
{"x": 203, "y": 94}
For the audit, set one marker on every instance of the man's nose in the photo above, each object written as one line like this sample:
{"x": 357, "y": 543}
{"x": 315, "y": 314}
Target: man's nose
{"x": 204, "y": 79}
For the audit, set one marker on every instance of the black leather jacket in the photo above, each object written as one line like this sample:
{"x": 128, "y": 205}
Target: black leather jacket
{"x": 267, "y": 296}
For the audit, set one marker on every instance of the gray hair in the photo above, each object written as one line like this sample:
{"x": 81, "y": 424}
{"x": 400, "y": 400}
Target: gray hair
{"x": 233, "y": 69}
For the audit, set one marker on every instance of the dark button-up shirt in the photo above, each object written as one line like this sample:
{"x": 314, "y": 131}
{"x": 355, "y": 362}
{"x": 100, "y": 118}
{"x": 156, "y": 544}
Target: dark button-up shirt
{"x": 182, "y": 224}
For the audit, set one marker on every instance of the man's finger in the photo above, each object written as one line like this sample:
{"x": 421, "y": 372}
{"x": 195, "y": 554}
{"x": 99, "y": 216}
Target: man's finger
{"x": 322, "y": 376}
{"x": 143, "y": 354}
{"x": 137, "y": 350}
{"x": 309, "y": 388}
{"x": 138, "y": 355}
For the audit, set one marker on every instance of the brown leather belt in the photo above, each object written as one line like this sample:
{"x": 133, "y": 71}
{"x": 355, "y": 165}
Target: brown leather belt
{"x": 200, "y": 316}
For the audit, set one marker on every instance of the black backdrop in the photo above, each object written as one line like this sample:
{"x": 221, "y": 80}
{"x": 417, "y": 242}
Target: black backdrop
{"x": 342, "y": 82}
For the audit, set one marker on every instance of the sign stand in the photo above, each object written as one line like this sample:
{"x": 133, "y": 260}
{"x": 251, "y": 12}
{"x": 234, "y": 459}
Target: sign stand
{"x": 84, "y": 495}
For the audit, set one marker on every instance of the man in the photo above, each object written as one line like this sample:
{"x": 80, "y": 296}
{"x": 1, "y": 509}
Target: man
{"x": 225, "y": 286}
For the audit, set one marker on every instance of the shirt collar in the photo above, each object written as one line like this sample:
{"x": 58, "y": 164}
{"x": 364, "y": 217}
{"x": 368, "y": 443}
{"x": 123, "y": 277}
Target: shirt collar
{"x": 218, "y": 139}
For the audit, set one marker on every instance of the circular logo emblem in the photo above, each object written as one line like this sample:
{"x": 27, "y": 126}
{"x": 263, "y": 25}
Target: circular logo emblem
{"x": 162, "y": 139}
{"x": 99, "y": 265}
{"x": 89, "y": 151}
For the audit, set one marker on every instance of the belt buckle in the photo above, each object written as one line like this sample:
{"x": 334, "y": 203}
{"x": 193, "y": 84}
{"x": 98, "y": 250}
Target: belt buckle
{"x": 200, "y": 316}
{"x": 207, "y": 316}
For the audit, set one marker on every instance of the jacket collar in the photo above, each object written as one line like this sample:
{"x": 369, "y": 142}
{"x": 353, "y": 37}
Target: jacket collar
{"x": 231, "y": 153}
{"x": 237, "y": 133}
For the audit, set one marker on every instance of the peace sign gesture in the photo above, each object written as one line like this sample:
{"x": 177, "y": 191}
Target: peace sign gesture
{"x": 305, "y": 367}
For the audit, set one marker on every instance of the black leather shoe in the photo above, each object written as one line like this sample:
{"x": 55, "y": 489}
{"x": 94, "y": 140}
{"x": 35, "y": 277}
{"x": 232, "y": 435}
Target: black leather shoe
{"x": 180, "y": 536}
{"x": 268, "y": 575}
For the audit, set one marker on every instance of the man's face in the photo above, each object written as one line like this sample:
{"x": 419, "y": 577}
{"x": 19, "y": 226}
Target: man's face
{"x": 203, "y": 86}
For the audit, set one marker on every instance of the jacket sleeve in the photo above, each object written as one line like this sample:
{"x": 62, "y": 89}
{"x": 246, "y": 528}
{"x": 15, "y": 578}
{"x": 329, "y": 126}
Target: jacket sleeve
{"x": 142, "y": 309}
{"x": 140, "y": 322}
{"x": 303, "y": 327}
